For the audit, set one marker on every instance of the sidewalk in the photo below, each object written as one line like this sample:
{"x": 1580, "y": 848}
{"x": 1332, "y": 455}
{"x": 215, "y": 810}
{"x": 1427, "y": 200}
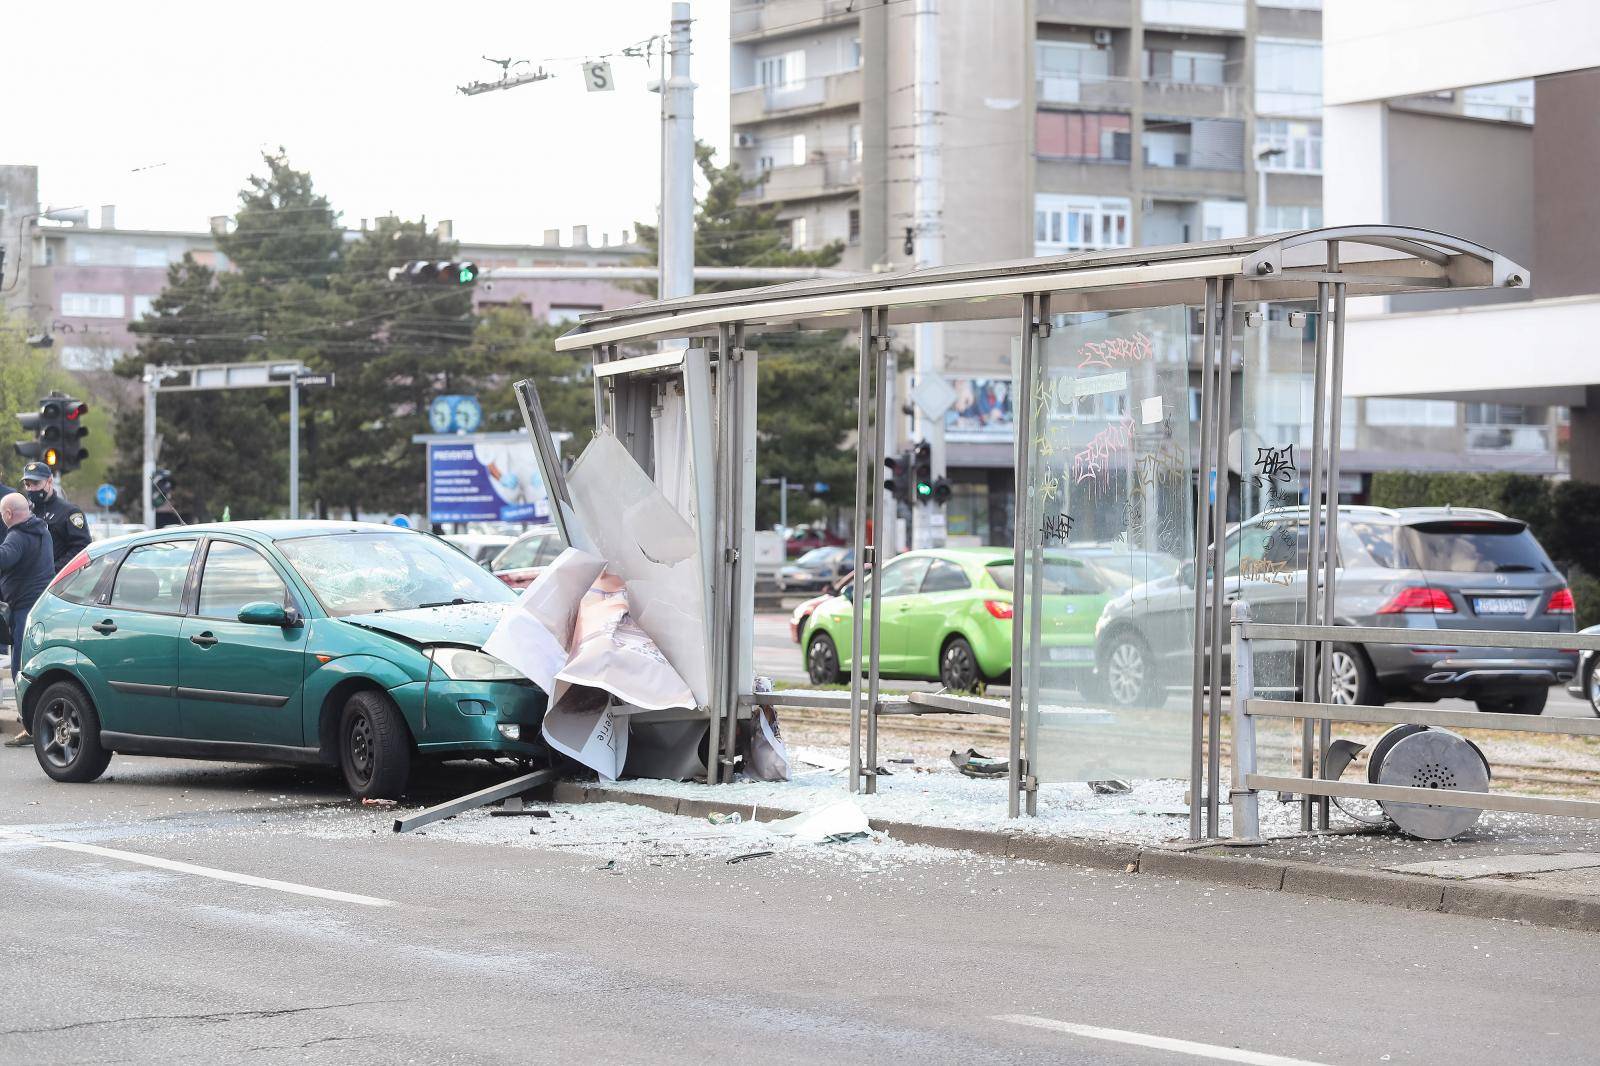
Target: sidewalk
{"x": 1535, "y": 871}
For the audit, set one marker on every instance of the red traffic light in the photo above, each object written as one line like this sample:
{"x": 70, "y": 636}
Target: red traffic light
{"x": 76, "y": 409}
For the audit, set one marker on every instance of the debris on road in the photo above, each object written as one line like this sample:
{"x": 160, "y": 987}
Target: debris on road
{"x": 382, "y": 804}
{"x": 972, "y": 764}
{"x": 749, "y": 855}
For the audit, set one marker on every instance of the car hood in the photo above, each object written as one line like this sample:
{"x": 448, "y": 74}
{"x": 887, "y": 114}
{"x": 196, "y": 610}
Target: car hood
{"x": 468, "y": 623}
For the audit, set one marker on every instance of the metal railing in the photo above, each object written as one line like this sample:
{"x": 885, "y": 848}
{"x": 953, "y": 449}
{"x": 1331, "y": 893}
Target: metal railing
{"x": 1246, "y": 708}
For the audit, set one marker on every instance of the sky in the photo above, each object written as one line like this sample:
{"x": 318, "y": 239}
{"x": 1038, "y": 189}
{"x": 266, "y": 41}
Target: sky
{"x": 164, "y": 109}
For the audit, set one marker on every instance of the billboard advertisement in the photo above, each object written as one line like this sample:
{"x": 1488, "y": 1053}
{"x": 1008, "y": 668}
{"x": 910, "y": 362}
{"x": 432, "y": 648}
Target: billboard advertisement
{"x": 485, "y": 481}
{"x": 981, "y": 410}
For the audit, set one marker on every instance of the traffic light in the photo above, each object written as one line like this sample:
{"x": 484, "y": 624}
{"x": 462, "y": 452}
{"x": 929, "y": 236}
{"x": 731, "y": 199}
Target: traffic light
{"x": 57, "y": 429}
{"x": 941, "y": 491}
{"x": 922, "y": 471}
{"x": 436, "y": 272}
{"x": 899, "y": 480}
{"x": 161, "y": 481}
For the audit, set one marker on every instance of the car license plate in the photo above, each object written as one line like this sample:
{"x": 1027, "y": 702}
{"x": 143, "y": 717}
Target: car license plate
{"x": 1071, "y": 655}
{"x": 1500, "y": 605}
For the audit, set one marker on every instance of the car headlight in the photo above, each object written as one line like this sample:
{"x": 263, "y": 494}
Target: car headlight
{"x": 465, "y": 664}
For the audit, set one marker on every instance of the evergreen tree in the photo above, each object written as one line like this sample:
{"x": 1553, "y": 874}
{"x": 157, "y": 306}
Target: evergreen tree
{"x": 806, "y": 382}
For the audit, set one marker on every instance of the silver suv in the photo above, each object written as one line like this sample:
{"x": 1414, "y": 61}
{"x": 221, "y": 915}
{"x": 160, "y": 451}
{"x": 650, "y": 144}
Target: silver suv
{"x": 1429, "y": 569}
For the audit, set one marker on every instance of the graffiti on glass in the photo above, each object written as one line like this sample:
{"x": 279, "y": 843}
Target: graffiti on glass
{"x": 1093, "y": 458}
{"x": 1055, "y": 528}
{"x": 1274, "y": 466}
{"x": 1108, "y": 353}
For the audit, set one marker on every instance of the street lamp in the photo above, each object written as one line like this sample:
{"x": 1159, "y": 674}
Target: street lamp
{"x": 1262, "y": 155}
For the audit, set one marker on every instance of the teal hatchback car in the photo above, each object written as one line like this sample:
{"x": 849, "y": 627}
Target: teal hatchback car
{"x": 324, "y": 643}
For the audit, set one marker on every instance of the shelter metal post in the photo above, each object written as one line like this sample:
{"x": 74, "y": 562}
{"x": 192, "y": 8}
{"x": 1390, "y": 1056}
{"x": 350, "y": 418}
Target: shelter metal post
{"x": 1022, "y": 406}
{"x": 1243, "y": 799}
{"x": 1334, "y": 325}
{"x": 1030, "y": 759}
{"x": 865, "y": 470}
{"x": 1219, "y": 525}
{"x": 1314, "y": 573}
{"x": 881, "y": 414}
{"x": 1202, "y": 542}
{"x": 742, "y": 408}
{"x": 722, "y": 597}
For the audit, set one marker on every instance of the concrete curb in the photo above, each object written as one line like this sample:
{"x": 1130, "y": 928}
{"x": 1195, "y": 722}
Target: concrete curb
{"x": 1525, "y": 906}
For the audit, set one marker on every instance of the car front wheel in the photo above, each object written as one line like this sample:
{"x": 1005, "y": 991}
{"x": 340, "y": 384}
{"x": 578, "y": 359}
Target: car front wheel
{"x": 374, "y": 747}
{"x": 822, "y": 661}
{"x": 1130, "y": 672}
{"x": 66, "y": 734}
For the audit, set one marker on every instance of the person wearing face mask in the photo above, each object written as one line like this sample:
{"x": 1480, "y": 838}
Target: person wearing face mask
{"x": 69, "y": 530}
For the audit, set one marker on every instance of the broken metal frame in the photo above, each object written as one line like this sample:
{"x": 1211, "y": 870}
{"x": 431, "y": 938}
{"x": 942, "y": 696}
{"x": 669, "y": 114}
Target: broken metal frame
{"x": 1217, "y": 276}
{"x": 505, "y": 790}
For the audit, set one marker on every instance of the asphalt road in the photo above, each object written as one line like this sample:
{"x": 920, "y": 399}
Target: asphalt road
{"x": 366, "y": 947}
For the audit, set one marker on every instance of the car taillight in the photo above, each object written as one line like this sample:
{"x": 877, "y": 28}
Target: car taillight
{"x": 1419, "y": 599}
{"x": 78, "y": 562}
{"x": 1561, "y": 602}
{"x": 999, "y": 608}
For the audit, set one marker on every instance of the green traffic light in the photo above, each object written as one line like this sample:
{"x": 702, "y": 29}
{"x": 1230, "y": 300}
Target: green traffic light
{"x": 467, "y": 273}
{"x": 924, "y": 489}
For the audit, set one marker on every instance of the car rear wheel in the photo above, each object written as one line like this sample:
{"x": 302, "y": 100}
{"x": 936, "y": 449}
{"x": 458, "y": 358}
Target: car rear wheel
{"x": 1130, "y": 672}
{"x": 958, "y": 666}
{"x": 1353, "y": 682}
{"x": 1591, "y": 686}
{"x": 374, "y": 747}
{"x": 822, "y": 661}
{"x": 1529, "y": 701}
{"x": 66, "y": 734}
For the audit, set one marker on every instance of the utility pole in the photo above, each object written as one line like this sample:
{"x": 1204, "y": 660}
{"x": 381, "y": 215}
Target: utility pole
{"x": 929, "y": 205}
{"x": 150, "y": 445}
{"x": 677, "y": 161}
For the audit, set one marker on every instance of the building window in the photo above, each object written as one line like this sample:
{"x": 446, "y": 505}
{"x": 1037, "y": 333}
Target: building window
{"x": 564, "y": 314}
{"x": 1288, "y": 77}
{"x": 1079, "y": 223}
{"x": 1282, "y": 218}
{"x": 855, "y": 225}
{"x": 797, "y": 150}
{"x": 797, "y": 233}
{"x": 1184, "y": 68}
{"x": 784, "y": 71}
{"x": 1063, "y": 67}
{"x": 141, "y": 305}
{"x": 1085, "y": 135}
{"x": 92, "y": 304}
{"x": 1298, "y": 145}
{"x": 84, "y": 357}
{"x": 1506, "y": 427}
{"x": 1391, "y": 412}
{"x": 150, "y": 257}
{"x": 1202, "y": 143}
{"x": 855, "y": 141}
{"x": 855, "y": 53}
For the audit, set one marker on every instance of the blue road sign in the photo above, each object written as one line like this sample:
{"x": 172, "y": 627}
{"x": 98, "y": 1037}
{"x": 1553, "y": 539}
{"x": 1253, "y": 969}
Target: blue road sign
{"x": 455, "y": 414}
{"x": 105, "y": 495}
{"x": 400, "y": 520}
{"x": 820, "y": 487}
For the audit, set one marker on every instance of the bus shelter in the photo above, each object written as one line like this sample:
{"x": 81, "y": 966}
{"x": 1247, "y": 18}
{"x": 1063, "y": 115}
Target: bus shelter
{"x": 1162, "y": 396}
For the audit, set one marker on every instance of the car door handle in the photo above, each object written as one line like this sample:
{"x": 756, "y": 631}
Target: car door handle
{"x": 205, "y": 640}
{"x": 106, "y": 626}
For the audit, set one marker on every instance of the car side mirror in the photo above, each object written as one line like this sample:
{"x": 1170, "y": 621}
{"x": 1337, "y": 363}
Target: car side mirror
{"x": 263, "y": 613}
{"x": 848, "y": 592}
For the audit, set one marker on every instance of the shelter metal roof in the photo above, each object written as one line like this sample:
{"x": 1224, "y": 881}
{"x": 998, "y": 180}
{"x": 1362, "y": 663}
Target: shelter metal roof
{"x": 1370, "y": 260}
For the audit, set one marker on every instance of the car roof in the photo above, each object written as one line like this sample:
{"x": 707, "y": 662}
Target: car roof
{"x": 979, "y": 556}
{"x": 1395, "y": 515}
{"x": 264, "y": 531}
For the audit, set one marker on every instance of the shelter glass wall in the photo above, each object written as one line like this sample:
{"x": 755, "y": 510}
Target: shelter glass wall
{"x": 1108, "y": 523}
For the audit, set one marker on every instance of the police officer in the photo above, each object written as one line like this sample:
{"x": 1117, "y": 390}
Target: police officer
{"x": 69, "y": 531}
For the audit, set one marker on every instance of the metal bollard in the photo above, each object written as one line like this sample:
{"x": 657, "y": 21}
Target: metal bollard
{"x": 1245, "y": 801}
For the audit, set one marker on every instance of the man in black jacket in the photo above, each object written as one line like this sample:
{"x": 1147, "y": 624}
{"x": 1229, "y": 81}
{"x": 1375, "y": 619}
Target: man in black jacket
{"x": 27, "y": 565}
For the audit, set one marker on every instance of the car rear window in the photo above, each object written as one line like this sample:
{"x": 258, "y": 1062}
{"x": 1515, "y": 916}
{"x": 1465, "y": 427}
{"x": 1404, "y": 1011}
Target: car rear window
{"x": 80, "y": 586}
{"x": 1061, "y": 578}
{"x": 1475, "y": 548}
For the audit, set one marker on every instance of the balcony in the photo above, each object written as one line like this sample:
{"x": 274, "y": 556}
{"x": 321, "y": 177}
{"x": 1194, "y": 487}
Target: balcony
{"x": 1526, "y": 440}
{"x": 1083, "y": 12}
{"x": 829, "y": 92}
{"x": 1097, "y": 92}
{"x": 808, "y": 181}
{"x": 1193, "y": 183}
{"x": 774, "y": 18}
{"x": 1209, "y": 14}
{"x": 1189, "y": 99}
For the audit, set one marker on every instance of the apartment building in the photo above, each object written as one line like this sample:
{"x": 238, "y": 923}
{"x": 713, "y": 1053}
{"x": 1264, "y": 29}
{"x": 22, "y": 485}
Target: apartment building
{"x": 84, "y": 285}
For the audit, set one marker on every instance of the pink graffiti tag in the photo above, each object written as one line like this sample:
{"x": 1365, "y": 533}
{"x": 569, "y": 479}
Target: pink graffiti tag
{"x": 1090, "y": 461}
{"x": 1116, "y": 350}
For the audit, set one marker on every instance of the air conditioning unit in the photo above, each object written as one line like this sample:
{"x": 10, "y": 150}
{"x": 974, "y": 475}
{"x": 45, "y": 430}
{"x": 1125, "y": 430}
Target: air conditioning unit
{"x": 744, "y": 140}
{"x": 1102, "y": 37}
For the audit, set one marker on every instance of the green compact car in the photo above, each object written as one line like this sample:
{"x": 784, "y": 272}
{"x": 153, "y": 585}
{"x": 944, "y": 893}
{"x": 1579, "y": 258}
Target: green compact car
{"x": 325, "y": 643}
{"x": 947, "y": 617}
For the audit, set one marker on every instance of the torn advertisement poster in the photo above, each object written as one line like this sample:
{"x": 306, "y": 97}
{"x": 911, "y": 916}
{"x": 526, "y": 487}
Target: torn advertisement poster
{"x": 585, "y": 728}
{"x": 652, "y": 547}
{"x": 842, "y": 819}
{"x": 765, "y": 756}
{"x": 609, "y": 651}
{"x": 533, "y": 637}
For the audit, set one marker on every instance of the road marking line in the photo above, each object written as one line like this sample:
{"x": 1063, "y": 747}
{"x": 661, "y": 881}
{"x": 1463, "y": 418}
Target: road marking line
{"x": 198, "y": 871}
{"x": 1160, "y": 1043}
